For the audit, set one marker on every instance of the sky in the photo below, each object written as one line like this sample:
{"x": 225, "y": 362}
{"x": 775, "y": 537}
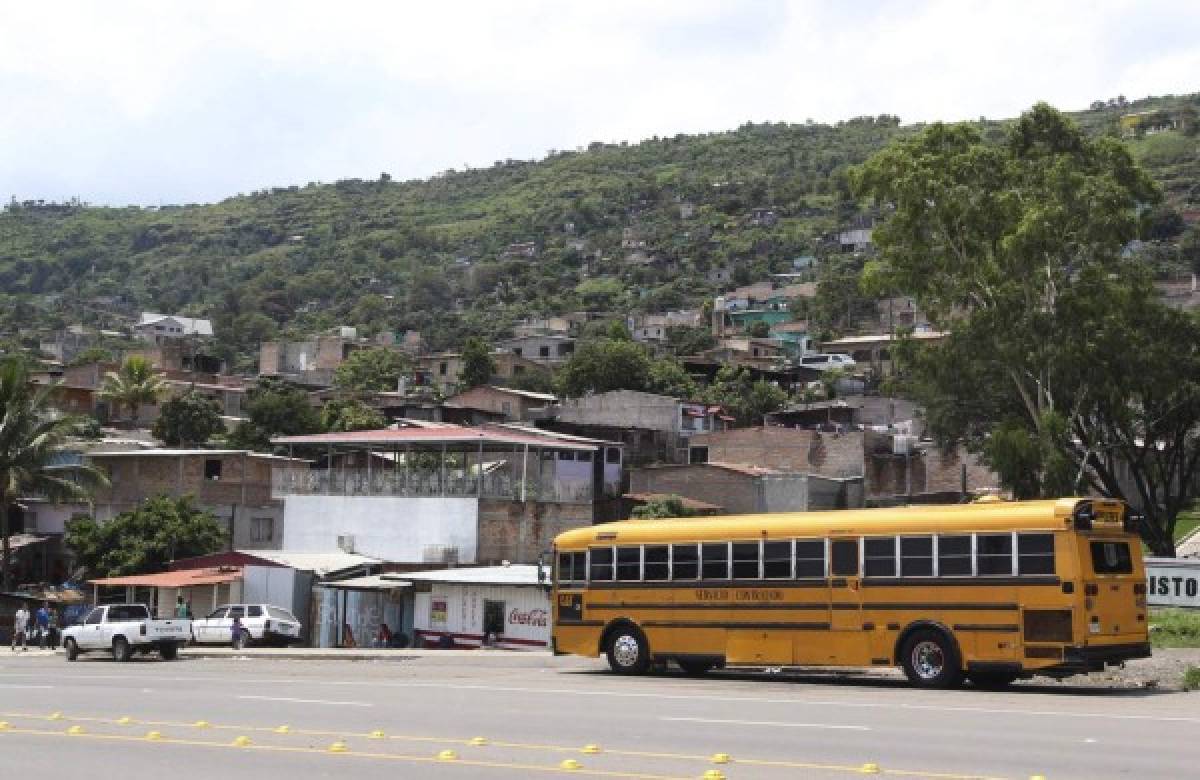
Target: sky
{"x": 122, "y": 102}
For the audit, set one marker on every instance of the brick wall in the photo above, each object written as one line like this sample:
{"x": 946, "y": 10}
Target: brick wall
{"x": 787, "y": 449}
{"x": 518, "y": 532}
{"x": 735, "y": 493}
{"x": 268, "y": 358}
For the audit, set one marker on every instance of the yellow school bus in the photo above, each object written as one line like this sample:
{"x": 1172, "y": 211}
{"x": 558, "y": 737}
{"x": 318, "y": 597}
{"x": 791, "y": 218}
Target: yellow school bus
{"x": 987, "y": 591}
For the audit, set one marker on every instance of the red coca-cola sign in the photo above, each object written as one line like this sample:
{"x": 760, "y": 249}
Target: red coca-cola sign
{"x": 533, "y": 617}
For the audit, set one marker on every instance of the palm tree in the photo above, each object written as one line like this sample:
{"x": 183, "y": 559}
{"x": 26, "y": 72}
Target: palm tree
{"x": 135, "y": 384}
{"x": 31, "y": 436}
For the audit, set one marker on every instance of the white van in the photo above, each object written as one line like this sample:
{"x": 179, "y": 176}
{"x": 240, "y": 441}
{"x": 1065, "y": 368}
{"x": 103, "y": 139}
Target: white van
{"x": 824, "y": 362}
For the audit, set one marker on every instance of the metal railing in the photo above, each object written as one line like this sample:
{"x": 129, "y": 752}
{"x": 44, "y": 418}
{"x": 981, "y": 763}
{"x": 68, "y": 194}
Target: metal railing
{"x": 421, "y": 483}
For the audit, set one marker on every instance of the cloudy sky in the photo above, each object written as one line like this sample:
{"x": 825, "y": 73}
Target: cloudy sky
{"x": 165, "y": 102}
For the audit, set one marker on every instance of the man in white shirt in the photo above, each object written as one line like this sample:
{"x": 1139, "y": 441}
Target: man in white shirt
{"x": 20, "y": 623}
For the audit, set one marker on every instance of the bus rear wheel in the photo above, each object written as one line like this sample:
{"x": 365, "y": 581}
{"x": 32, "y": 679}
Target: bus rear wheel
{"x": 628, "y": 651}
{"x": 930, "y": 660}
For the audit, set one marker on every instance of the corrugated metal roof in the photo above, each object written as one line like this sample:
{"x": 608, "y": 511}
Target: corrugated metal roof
{"x": 165, "y": 453}
{"x": 444, "y": 435}
{"x": 370, "y": 582}
{"x": 316, "y": 562}
{"x": 516, "y": 574}
{"x": 175, "y": 579}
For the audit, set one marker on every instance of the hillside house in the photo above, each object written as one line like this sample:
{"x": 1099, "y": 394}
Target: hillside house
{"x": 546, "y": 350}
{"x": 504, "y": 403}
{"x": 443, "y": 370}
{"x": 654, "y": 428}
{"x": 312, "y": 361}
{"x": 161, "y": 328}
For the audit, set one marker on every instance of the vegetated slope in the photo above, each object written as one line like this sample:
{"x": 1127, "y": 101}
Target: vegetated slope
{"x": 432, "y": 254}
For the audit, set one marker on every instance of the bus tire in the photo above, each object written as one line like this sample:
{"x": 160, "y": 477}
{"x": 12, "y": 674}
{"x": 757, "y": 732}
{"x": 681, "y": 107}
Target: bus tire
{"x": 992, "y": 680}
{"x": 627, "y": 650}
{"x": 930, "y": 659}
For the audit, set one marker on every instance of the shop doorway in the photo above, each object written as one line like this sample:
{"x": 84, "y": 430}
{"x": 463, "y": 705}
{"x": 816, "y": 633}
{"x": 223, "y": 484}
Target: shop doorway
{"x": 493, "y": 619}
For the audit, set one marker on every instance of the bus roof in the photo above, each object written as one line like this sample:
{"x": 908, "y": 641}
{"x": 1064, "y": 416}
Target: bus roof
{"x": 1051, "y": 514}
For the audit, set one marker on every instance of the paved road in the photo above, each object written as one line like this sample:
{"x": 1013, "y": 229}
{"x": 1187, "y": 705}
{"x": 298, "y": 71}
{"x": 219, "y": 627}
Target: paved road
{"x": 534, "y": 712}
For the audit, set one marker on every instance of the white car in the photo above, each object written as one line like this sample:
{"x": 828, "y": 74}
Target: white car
{"x": 125, "y": 629}
{"x": 825, "y": 362}
{"x": 263, "y": 623}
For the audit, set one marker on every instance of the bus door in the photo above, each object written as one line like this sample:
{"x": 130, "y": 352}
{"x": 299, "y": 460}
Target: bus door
{"x": 847, "y": 645}
{"x": 1111, "y": 580}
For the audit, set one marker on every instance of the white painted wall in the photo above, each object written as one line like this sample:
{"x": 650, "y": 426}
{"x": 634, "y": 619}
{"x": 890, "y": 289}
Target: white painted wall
{"x": 392, "y": 528}
{"x": 526, "y": 614}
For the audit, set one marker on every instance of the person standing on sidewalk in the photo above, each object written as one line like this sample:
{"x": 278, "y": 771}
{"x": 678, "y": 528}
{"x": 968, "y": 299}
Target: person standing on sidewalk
{"x": 236, "y": 629}
{"x": 42, "y": 618}
{"x": 20, "y": 623}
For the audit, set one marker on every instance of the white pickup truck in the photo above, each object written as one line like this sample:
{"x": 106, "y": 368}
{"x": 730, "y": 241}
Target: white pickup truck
{"x": 125, "y": 629}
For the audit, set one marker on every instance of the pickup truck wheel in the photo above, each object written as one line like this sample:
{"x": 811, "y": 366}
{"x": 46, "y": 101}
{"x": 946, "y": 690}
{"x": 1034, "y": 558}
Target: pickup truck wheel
{"x": 121, "y": 650}
{"x": 169, "y": 651}
{"x": 71, "y": 648}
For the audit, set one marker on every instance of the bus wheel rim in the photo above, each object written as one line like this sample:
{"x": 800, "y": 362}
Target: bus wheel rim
{"x": 928, "y": 659}
{"x": 626, "y": 650}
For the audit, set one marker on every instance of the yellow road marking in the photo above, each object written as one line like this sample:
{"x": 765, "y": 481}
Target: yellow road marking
{"x": 781, "y": 764}
{"x": 354, "y": 753}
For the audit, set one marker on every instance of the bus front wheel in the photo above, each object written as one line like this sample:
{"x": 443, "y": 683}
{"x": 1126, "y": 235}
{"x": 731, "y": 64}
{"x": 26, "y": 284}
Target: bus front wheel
{"x": 930, "y": 660}
{"x": 628, "y": 651}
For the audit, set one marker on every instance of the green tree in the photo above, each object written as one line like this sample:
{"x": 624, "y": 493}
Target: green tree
{"x": 668, "y": 377}
{"x": 135, "y": 384}
{"x": 478, "y": 366}
{"x": 144, "y": 539}
{"x": 188, "y": 420}
{"x": 603, "y": 365}
{"x": 350, "y": 414}
{"x": 758, "y": 330}
{"x": 690, "y": 340}
{"x": 373, "y": 370}
{"x": 745, "y": 398}
{"x": 274, "y": 408}
{"x": 31, "y": 438}
{"x": 661, "y": 506}
{"x": 1062, "y": 368}
{"x": 91, "y": 355}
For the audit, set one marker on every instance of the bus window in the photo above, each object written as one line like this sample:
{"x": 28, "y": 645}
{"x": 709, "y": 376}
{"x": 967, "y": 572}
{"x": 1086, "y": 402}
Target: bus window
{"x": 714, "y": 562}
{"x": 656, "y": 562}
{"x": 916, "y": 556}
{"x": 810, "y": 558}
{"x": 993, "y": 553}
{"x": 777, "y": 560}
{"x": 879, "y": 557}
{"x": 602, "y": 564}
{"x": 1111, "y": 558}
{"x": 685, "y": 562}
{"x": 629, "y": 564}
{"x": 1035, "y": 553}
{"x": 954, "y": 556}
{"x": 844, "y": 555}
{"x": 745, "y": 561}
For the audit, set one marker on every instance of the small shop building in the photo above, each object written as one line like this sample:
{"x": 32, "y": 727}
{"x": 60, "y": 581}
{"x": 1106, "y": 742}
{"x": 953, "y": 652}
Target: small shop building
{"x": 493, "y": 606}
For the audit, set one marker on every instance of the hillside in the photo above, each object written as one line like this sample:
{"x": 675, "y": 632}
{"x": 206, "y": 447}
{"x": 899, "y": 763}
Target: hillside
{"x": 437, "y": 255}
